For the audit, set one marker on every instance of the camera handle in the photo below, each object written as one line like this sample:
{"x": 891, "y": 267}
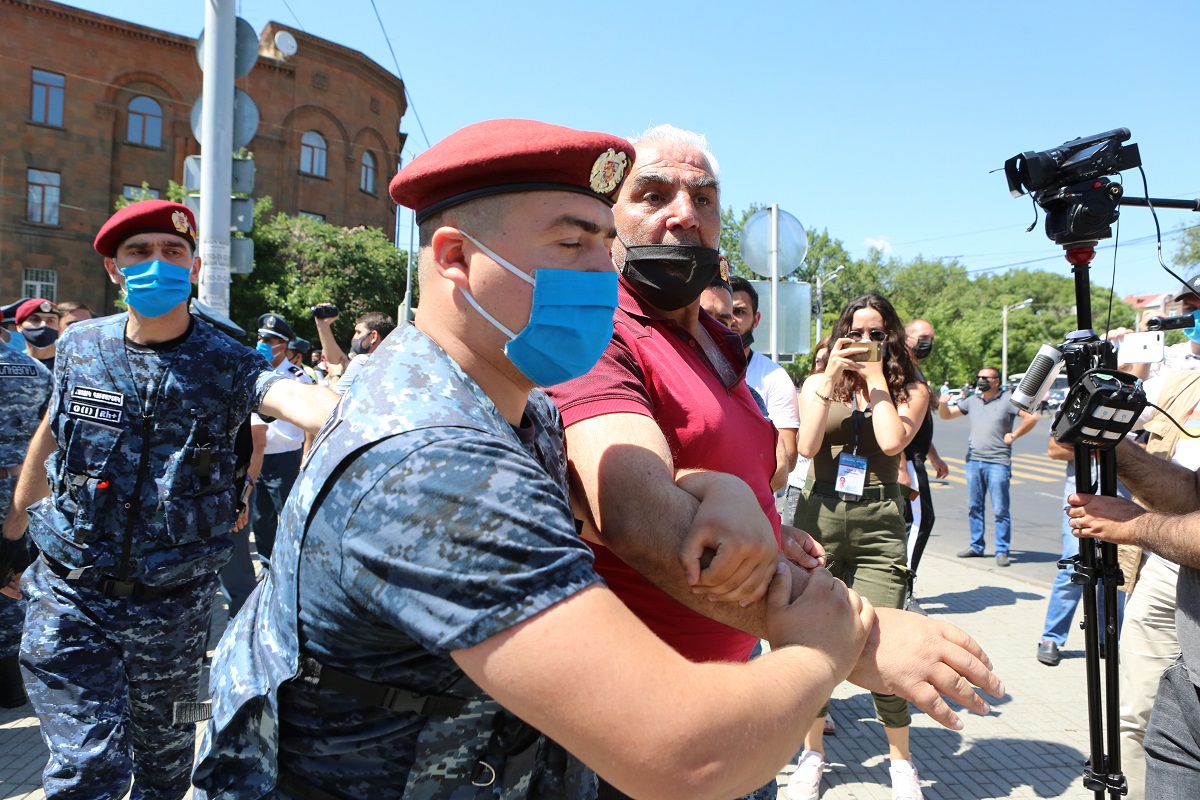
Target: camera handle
{"x": 1096, "y": 567}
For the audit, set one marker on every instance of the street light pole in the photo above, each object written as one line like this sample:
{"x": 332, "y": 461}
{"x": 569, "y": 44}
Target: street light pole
{"x": 823, "y": 279}
{"x": 1004, "y": 338}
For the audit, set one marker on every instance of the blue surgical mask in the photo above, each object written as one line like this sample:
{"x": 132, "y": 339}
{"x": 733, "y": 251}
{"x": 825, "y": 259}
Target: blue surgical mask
{"x": 1193, "y": 332}
{"x": 267, "y": 351}
{"x": 155, "y": 287}
{"x": 570, "y": 323}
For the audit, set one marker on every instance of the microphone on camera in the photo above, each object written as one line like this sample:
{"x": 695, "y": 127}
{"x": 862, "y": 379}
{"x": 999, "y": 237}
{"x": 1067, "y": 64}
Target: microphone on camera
{"x": 1038, "y": 378}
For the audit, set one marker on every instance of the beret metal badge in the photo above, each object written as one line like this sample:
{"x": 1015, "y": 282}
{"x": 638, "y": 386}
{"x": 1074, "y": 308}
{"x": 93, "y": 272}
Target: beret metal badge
{"x": 182, "y": 223}
{"x": 608, "y": 171}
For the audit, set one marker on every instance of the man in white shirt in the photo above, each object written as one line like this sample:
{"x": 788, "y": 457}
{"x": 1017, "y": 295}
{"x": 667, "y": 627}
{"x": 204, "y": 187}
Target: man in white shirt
{"x": 763, "y": 375}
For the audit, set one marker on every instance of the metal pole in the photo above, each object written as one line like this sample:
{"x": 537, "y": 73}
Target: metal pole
{"x": 775, "y": 282}
{"x": 1004, "y": 349}
{"x": 409, "y": 265}
{"x": 216, "y": 149}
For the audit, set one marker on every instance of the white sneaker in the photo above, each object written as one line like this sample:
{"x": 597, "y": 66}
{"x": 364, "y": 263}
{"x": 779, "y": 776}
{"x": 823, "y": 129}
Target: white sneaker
{"x": 906, "y": 784}
{"x": 805, "y": 783}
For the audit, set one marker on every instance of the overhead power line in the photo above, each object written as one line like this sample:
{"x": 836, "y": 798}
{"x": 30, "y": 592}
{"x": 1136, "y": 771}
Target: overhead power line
{"x": 400, "y": 75}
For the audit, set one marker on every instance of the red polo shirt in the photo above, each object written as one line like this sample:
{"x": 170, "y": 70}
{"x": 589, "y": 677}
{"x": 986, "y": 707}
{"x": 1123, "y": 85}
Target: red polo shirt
{"x": 654, "y": 367}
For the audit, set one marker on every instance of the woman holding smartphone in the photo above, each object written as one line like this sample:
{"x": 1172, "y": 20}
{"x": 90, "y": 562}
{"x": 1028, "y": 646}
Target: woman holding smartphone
{"x": 858, "y": 411}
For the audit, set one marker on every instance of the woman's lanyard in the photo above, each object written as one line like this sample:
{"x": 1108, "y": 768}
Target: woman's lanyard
{"x": 852, "y": 468}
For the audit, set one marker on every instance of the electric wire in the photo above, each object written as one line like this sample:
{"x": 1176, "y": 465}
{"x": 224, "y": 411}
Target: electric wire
{"x": 1175, "y": 422}
{"x": 396, "y": 61}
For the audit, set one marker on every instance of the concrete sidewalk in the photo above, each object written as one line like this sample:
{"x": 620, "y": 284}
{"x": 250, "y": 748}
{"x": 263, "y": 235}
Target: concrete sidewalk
{"x": 1032, "y": 745}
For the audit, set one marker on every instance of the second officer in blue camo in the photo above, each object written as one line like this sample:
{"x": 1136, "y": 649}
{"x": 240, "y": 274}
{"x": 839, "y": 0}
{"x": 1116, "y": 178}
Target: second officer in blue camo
{"x": 137, "y": 498}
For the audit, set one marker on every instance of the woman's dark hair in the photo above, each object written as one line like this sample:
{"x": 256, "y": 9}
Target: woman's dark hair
{"x": 898, "y": 367}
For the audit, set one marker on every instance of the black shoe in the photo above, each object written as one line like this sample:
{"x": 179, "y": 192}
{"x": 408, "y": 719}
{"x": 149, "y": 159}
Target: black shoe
{"x": 1002, "y": 560}
{"x": 971, "y": 553}
{"x": 1048, "y": 653}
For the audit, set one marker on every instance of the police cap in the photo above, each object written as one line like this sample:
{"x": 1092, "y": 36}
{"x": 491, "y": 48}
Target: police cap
{"x": 8, "y": 312}
{"x": 145, "y": 216}
{"x": 34, "y": 306}
{"x": 275, "y": 325}
{"x": 300, "y": 345}
{"x": 511, "y": 155}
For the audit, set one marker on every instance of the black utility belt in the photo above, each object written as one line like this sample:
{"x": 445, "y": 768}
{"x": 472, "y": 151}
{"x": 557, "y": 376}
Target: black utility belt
{"x": 104, "y": 584}
{"x": 885, "y": 491}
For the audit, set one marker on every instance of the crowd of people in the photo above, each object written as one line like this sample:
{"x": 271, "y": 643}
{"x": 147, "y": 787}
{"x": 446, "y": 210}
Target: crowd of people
{"x": 572, "y": 463}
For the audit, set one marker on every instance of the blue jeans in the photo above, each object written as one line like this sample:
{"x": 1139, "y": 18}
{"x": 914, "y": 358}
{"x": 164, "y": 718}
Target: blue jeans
{"x": 984, "y": 477}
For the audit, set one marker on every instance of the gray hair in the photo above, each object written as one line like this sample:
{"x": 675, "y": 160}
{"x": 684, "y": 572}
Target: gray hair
{"x": 673, "y": 135}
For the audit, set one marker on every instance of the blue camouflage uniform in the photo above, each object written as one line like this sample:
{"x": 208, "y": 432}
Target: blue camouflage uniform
{"x": 142, "y": 496}
{"x": 24, "y": 392}
{"x": 423, "y": 523}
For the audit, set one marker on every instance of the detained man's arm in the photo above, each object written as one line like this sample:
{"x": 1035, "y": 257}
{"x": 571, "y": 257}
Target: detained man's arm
{"x": 33, "y": 483}
{"x": 623, "y": 480}
{"x": 779, "y": 479}
{"x": 306, "y": 406}
{"x": 650, "y": 722}
{"x": 258, "y": 436}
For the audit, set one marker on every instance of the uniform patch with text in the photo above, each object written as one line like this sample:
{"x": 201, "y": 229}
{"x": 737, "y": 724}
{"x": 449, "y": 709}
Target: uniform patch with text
{"x": 96, "y": 404}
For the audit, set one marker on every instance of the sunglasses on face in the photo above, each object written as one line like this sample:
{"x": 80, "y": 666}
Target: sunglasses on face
{"x": 987, "y": 377}
{"x": 875, "y": 335}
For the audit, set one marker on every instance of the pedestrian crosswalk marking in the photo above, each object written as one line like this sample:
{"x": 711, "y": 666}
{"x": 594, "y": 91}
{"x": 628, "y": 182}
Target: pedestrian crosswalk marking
{"x": 1034, "y": 468}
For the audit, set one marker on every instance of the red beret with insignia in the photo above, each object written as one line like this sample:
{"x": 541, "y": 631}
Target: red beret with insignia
{"x": 145, "y": 216}
{"x": 34, "y": 306}
{"x": 512, "y": 155}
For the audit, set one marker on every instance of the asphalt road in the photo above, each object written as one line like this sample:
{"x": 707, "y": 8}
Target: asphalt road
{"x": 1036, "y": 505}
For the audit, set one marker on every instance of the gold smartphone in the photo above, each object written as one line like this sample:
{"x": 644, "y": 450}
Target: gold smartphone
{"x": 874, "y": 351}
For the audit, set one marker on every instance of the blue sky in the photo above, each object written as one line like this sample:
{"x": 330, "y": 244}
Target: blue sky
{"x": 881, "y": 121}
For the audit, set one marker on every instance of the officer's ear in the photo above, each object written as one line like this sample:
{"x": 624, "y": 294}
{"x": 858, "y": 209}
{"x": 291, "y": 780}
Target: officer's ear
{"x": 114, "y": 274}
{"x": 194, "y": 275}
{"x": 449, "y": 260}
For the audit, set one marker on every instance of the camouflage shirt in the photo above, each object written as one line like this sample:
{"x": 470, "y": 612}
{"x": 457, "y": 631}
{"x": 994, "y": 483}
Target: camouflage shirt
{"x": 142, "y": 482}
{"x": 24, "y": 392}
{"x": 424, "y": 523}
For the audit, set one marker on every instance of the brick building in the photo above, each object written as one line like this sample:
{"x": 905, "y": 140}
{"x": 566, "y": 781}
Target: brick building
{"x": 91, "y": 107}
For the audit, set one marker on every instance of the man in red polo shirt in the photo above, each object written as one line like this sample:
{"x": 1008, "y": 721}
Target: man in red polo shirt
{"x": 665, "y": 421}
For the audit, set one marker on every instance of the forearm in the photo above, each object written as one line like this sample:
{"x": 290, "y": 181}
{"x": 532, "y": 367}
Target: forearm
{"x": 33, "y": 483}
{"x": 1028, "y": 421}
{"x": 1174, "y": 537}
{"x": 788, "y": 437}
{"x": 329, "y": 346}
{"x": 814, "y": 413}
{"x": 1160, "y": 485}
{"x": 305, "y": 406}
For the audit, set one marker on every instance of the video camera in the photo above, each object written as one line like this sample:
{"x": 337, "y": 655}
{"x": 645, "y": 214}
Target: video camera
{"x": 1068, "y": 183}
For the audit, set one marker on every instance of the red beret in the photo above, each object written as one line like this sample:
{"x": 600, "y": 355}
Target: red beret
{"x": 32, "y": 307}
{"x": 145, "y": 216}
{"x": 511, "y": 155}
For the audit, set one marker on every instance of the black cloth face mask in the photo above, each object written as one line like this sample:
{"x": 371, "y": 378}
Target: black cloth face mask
{"x": 922, "y": 349}
{"x": 748, "y": 338}
{"x": 670, "y": 276}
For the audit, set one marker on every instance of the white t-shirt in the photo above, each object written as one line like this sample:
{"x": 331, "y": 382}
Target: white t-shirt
{"x": 352, "y": 369}
{"x": 283, "y": 437}
{"x": 775, "y": 387}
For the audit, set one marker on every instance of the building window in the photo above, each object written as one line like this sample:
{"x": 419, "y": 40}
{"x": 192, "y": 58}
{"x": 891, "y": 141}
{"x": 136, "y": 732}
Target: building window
{"x": 136, "y": 193}
{"x": 366, "y": 177}
{"x": 40, "y": 283}
{"x": 312, "y": 153}
{"x": 47, "y": 105}
{"x": 310, "y": 215}
{"x": 145, "y": 122}
{"x": 43, "y": 195}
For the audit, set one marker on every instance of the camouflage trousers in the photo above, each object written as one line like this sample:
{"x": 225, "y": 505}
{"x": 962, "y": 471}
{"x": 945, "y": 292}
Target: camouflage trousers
{"x": 103, "y": 675}
{"x": 12, "y": 619}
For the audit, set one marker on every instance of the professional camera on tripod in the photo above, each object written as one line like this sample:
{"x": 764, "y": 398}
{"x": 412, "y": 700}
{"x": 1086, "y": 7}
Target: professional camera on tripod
{"x": 1103, "y": 404}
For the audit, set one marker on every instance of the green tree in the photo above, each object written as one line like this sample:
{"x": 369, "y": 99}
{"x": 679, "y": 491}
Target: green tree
{"x": 299, "y": 262}
{"x": 1188, "y": 254}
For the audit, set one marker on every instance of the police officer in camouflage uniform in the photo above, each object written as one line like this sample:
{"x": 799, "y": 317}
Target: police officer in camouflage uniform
{"x": 428, "y": 590}
{"x": 24, "y": 392}
{"x": 143, "y": 488}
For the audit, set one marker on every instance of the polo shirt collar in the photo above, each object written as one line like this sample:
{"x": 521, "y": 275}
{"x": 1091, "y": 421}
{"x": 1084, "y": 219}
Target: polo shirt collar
{"x": 730, "y": 343}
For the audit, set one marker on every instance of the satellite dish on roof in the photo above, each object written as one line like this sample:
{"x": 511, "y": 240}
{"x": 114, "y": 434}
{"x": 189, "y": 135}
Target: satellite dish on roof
{"x": 285, "y": 43}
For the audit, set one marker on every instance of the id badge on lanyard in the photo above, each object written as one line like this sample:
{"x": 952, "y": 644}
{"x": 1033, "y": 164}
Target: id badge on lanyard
{"x": 852, "y": 468}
